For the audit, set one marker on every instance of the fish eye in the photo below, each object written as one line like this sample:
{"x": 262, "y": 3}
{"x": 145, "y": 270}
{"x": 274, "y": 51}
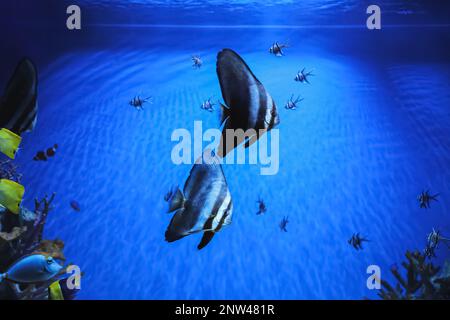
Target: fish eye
{"x": 49, "y": 260}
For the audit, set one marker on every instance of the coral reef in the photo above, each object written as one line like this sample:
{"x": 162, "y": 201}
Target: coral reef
{"x": 52, "y": 248}
{"x": 22, "y": 234}
{"x": 9, "y": 171}
{"x": 423, "y": 280}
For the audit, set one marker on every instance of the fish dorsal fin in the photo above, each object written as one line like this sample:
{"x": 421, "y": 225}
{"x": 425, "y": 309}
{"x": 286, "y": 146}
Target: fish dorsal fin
{"x": 177, "y": 201}
{"x": 234, "y": 77}
{"x": 207, "y": 237}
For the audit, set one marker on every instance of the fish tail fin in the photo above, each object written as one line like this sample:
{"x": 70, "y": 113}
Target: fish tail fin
{"x": 207, "y": 237}
{"x": 177, "y": 201}
{"x": 224, "y": 114}
{"x": 9, "y": 143}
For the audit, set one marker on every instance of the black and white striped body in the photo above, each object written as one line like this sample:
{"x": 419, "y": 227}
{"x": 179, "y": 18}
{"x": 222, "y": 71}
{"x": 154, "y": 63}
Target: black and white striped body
{"x": 302, "y": 76}
{"x": 277, "y": 49}
{"x": 197, "y": 62}
{"x": 208, "y": 105}
{"x": 248, "y": 104}
{"x": 18, "y": 107}
{"x": 206, "y": 205}
{"x": 291, "y": 104}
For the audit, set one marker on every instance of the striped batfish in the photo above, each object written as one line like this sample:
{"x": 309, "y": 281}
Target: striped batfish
{"x": 248, "y": 104}
{"x": 205, "y": 204}
{"x": 18, "y": 109}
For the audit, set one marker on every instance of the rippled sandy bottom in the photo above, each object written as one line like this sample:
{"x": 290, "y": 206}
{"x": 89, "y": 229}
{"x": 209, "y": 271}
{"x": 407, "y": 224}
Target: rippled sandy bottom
{"x": 353, "y": 157}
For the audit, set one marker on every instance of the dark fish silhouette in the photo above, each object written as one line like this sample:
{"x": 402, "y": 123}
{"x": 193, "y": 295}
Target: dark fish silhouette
{"x": 283, "y": 224}
{"x": 248, "y": 104}
{"x": 138, "y": 102}
{"x": 425, "y": 198}
{"x": 44, "y": 155}
{"x": 75, "y": 205}
{"x": 52, "y": 151}
{"x": 18, "y": 106}
{"x": 40, "y": 156}
{"x": 205, "y": 204}
{"x": 261, "y": 207}
{"x": 356, "y": 241}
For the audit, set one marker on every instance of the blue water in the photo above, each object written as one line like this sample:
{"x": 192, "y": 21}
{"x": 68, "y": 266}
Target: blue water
{"x": 371, "y": 134}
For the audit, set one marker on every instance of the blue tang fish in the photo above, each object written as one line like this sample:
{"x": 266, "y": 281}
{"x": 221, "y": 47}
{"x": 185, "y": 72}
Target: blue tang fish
{"x": 32, "y": 269}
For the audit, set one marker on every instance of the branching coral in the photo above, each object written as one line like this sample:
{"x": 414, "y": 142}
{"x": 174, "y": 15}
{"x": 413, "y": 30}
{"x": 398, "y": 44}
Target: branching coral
{"x": 21, "y": 235}
{"x": 421, "y": 282}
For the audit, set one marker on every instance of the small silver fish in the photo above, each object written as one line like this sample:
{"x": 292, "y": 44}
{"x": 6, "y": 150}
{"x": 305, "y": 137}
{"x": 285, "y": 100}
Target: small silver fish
{"x": 277, "y": 49}
{"x": 302, "y": 76}
{"x": 208, "y": 105}
{"x": 292, "y": 104}
{"x": 197, "y": 62}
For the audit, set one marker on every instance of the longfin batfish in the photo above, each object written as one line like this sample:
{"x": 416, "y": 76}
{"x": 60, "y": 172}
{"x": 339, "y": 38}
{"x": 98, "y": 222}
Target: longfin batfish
{"x": 248, "y": 104}
{"x": 204, "y": 205}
